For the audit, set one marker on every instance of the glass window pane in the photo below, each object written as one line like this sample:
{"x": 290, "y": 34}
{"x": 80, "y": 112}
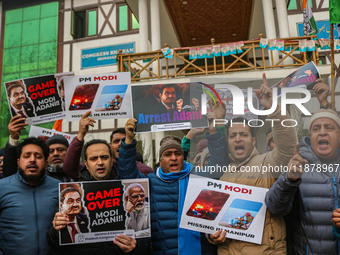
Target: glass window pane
{"x": 49, "y": 29}
{"x": 292, "y": 5}
{"x": 13, "y": 35}
{"x": 49, "y": 10}
{"x": 11, "y": 60}
{"x": 47, "y": 55}
{"x": 31, "y": 13}
{"x": 123, "y": 18}
{"x": 30, "y": 32}
{"x": 29, "y": 57}
{"x": 13, "y": 16}
{"x": 92, "y": 23}
{"x": 30, "y": 73}
{"x": 135, "y": 24}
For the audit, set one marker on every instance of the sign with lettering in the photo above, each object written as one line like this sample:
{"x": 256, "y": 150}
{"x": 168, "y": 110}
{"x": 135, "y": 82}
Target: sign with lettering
{"x": 211, "y": 205}
{"x": 104, "y": 56}
{"x": 108, "y": 96}
{"x": 98, "y": 211}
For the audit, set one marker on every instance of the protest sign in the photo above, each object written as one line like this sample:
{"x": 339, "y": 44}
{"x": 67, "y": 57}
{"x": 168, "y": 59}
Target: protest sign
{"x": 305, "y": 76}
{"x": 165, "y": 107}
{"x": 211, "y": 205}
{"x": 98, "y": 211}
{"x": 108, "y": 96}
{"x": 39, "y": 99}
{"x": 44, "y": 133}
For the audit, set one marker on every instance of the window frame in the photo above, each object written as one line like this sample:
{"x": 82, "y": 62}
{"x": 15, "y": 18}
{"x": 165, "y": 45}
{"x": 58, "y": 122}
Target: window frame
{"x": 86, "y": 22}
{"x": 129, "y": 16}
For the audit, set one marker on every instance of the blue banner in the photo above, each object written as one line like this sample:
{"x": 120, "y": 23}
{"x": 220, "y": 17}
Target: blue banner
{"x": 323, "y": 30}
{"x": 104, "y": 56}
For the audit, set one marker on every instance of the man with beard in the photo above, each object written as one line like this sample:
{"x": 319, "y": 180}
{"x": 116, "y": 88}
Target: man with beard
{"x": 57, "y": 145}
{"x": 71, "y": 206}
{"x": 137, "y": 209}
{"x": 27, "y": 202}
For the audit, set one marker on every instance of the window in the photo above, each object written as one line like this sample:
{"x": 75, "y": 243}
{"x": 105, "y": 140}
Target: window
{"x": 30, "y": 49}
{"x": 84, "y": 23}
{"x": 126, "y": 20}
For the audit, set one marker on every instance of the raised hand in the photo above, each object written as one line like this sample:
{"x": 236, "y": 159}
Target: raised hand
{"x": 84, "y": 124}
{"x": 179, "y": 104}
{"x": 16, "y": 124}
{"x": 296, "y": 165}
{"x": 130, "y": 128}
{"x": 265, "y": 94}
{"x": 321, "y": 90}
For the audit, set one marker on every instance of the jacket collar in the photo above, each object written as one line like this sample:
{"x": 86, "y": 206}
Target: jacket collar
{"x": 22, "y": 180}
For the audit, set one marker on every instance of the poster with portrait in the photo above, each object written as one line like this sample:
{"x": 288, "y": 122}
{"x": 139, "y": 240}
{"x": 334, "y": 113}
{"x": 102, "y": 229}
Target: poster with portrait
{"x": 306, "y": 77}
{"x": 39, "y": 99}
{"x": 163, "y": 107}
{"x": 107, "y": 96}
{"x": 98, "y": 211}
{"x": 211, "y": 205}
{"x": 44, "y": 133}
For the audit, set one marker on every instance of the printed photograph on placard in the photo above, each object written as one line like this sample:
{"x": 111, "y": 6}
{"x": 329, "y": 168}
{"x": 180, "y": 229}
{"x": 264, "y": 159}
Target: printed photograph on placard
{"x": 164, "y": 107}
{"x": 83, "y": 97}
{"x": 240, "y": 214}
{"x": 111, "y": 97}
{"x": 208, "y": 204}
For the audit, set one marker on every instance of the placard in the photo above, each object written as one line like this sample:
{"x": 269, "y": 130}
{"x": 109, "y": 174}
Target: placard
{"x": 211, "y": 205}
{"x": 98, "y": 211}
{"x": 108, "y": 96}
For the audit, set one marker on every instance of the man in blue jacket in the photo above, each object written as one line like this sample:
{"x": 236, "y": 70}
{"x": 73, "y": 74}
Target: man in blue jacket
{"x": 168, "y": 186}
{"x": 27, "y": 202}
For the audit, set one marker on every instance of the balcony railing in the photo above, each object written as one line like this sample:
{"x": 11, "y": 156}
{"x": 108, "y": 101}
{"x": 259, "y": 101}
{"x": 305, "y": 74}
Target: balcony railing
{"x": 153, "y": 65}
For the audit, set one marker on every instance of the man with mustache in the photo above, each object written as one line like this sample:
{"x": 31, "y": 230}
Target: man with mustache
{"x": 137, "y": 209}
{"x": 97, "y": 166}
{"x": 71, "y": 207}
{"x": 17, "y": 98}
{"x": 28, "y": 200}
{"x": 57, "y": 146}
{"x": 309, "y": 192}
{"x": 242, "y": 151}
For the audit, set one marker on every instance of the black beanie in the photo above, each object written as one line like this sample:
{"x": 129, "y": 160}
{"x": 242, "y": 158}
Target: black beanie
{"x": 57, "y": 139}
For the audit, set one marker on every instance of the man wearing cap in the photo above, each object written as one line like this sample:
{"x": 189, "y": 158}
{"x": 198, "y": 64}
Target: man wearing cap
{"x": 168, "y": 186}
{"x": 309, "y": 191}
{"x": 57, "y": 145}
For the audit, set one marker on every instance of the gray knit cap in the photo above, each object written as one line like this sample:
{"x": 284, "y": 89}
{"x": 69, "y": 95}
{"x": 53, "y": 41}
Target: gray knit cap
{"x": 170, "y": 142}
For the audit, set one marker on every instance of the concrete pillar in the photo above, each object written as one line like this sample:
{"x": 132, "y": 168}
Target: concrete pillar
{"x": 155, "y": 32}
{"x": 143, "y": 25}
{"x": 147, "y": 148}
{"x": 282, "y": 19}
{"x": 269, "y": 22}
{"x": 158, "y": 138}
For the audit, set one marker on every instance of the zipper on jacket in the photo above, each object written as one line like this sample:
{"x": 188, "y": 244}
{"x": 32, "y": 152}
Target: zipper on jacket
{"x": 36, "y": 220}
{"x": 336, "y": 205}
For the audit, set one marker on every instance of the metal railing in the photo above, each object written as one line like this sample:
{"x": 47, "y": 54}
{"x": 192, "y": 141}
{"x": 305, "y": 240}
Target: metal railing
{"x": 153, "y": 65}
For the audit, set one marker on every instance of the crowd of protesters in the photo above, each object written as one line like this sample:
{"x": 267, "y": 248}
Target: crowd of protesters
{"x": 302, "y": 205}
